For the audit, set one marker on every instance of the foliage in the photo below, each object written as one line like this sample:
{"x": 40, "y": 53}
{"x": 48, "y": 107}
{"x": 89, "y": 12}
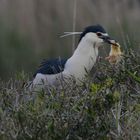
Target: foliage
{"x": 106, "y": 107}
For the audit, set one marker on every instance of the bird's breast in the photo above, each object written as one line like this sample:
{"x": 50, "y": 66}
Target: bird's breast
{"x": 79, "y": 68}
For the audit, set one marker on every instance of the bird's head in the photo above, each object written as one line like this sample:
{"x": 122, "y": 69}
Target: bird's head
{"x": 97, "y": 34}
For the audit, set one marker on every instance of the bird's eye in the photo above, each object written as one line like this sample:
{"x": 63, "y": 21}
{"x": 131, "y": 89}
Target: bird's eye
{"x": 99, "y": 34}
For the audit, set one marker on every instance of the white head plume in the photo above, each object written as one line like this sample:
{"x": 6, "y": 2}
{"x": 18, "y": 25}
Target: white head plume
{"x": 70, "y": 33}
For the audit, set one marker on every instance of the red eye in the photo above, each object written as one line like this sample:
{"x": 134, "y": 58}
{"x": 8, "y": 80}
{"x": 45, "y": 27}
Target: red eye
{"x": 99, "y": 34}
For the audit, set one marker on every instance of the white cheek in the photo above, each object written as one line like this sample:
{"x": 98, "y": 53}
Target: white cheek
{"x": 92, "y": 37}
{"x": 99, "y": 40}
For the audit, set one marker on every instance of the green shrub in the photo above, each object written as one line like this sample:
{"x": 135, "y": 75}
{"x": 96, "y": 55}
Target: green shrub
{"x": 106, "y": 107}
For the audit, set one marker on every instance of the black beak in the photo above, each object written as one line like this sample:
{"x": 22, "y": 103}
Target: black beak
{"x": 109, "y": 40}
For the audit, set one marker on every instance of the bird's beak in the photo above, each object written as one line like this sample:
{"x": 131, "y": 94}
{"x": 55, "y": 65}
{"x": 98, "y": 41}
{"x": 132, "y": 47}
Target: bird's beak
{"x": 109, "y": 40}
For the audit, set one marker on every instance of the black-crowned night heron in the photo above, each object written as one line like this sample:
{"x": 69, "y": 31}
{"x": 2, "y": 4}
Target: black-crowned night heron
{"x": 79, "y": 64}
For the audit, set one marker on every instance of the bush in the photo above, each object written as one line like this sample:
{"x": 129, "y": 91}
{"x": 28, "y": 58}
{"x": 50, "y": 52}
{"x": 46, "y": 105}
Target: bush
{"x": 105, "y": 107}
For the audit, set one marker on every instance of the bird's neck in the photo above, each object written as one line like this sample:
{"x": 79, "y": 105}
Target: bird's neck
{"x": 86, "y": 53}
{"x": 86, "y": 48}
{"x": 83, "y": 58}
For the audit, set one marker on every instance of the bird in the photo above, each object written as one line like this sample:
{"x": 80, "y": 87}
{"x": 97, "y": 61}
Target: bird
{"x": 53, "y": 71}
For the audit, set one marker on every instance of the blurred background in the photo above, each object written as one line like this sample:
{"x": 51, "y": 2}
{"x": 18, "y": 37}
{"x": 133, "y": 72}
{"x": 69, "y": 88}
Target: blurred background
{"x": 30, "y": 29}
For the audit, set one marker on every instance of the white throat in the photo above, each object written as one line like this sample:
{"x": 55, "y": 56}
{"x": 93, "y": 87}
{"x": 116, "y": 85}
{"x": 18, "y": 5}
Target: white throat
{"x": 83, "y": 59}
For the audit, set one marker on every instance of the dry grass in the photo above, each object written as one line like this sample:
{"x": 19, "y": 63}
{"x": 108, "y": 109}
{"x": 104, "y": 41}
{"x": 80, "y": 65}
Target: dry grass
{"x": 44, "y": 21}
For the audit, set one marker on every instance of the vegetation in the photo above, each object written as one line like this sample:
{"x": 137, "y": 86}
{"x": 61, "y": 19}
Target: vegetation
{"x": 106, "y": 107}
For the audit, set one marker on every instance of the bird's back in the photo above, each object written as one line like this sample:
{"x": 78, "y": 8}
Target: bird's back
{"x": 52, "y": 66}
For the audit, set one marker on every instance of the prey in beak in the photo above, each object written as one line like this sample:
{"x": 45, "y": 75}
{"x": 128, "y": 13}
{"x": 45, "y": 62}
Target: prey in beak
{"x": 115, "y": 54}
